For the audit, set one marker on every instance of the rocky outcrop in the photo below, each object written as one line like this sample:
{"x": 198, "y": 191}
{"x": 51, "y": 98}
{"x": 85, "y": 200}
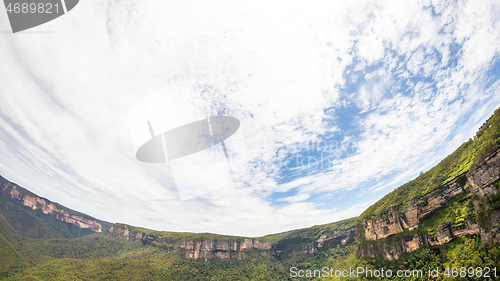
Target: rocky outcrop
{"x": 391, "y": 234}
{"x": 483, "y": 182}
{"x": 335, "y": 238}
{"x": 37, "y": 203}
{"x": 223, "y": 248}
{"x": 394, "y": 246}
{"x": 392, "y": 223}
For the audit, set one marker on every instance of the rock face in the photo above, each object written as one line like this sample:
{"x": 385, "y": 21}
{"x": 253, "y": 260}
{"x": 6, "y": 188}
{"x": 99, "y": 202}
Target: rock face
{"x": 224, "y": 248}
{"x": 336, "y": 238}
{"x": 483, "y": 182}
{"x": 37, "y": 203}
{"x": 391, "y": 234}
{"x": 392, "y": 223}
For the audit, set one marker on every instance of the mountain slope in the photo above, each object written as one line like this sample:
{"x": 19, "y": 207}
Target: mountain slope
{"x": 150, "y": 263}
{"x": 9, "y": 257}
{"x": 459, "y": 162}
{"x": 6, "y": 230}
{"x": 35, "y": 224}
{"x": 42, "y": 246}
{"x": 458, "y": 197}
{"x": 447, "y": 217}
{"x": 123, "y": 251}
{"x": 27, "y": 213}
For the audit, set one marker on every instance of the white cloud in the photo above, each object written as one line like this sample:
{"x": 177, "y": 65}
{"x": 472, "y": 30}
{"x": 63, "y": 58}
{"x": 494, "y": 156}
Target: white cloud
{"x": 65, "y": 96}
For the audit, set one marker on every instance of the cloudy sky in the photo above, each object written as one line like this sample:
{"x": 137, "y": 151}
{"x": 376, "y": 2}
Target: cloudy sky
{"x": 340, "y": 102}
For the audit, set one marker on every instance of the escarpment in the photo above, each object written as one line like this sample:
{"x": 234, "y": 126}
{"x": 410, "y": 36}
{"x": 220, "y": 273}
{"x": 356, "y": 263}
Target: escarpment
{"x": 458, "y": 197}
{"x": 483, "y": 184}
{"x": 466, "y": 205}
{"x": 224, "y": 247}
{"x": 331, "y": 239}
{"x": 206, "y": 246}
{"x": 35, "y": 202}
{"x": 190, "y": 245}
{"x": 392, "y": 222}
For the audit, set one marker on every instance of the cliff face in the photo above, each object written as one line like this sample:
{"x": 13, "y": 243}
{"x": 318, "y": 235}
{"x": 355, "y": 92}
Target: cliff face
{"x": 330, "y": 239}
{"x": 483, "y": 182}
{"x": 36, "y": 203}
{"x": 391, "y": 234}
{"x": 392, "y": 223}
{"x": 216, "y": 246}
{"x": 224, "y": 248}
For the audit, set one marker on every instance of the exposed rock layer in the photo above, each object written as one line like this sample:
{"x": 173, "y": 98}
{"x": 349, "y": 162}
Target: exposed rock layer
{"x": 221, "y": 248}
{"x": 396, "y": 234}
{"x": 481, "y": 179}
{"x": 37, "y": 203}
{"x": 335, "y": 238}
{"x": 392, "y": 223}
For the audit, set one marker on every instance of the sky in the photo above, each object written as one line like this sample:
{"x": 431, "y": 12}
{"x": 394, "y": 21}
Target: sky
{"x": 340, "y": 102}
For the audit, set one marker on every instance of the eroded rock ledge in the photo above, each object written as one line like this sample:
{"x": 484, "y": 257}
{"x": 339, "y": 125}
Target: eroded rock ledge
{"x": 391, "y": 223}
{"x": 397, "y": 233}
{"x": 223, "y": 248}
{"x": 335, "y": 238}
{"x": 37, "y": 203}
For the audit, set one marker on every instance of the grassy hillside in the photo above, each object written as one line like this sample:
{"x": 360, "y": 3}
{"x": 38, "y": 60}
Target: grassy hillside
{"x": 487, "y": 137}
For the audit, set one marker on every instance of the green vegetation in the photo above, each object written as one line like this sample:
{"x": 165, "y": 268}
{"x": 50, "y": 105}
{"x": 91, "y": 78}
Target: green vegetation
{"x": 468, "y": 252}
{"x": 487, "y": 138}
{"x": 6, "y": 230}
{"x": 9, "y": 257}
{"x": 57, "y": 205}
{"x": 138, "y": 262}
{"x": 492, "y": 204}
{"x": 35, "y": 246}
{"x": 87, "y": 247}
{"x": 181, "y": 236}
{"x": 454, "y": 213}
{"x": 100, "y": 257}
{"x": 153, "y": 264}
{"x": 312, "y": 232}
{"x": 298, "y": 247}
{"x": 35, "y": 224}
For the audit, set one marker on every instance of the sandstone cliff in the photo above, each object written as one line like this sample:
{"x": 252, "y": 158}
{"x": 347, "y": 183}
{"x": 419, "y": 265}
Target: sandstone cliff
{"x": 483, "y": 181}
{"x": 392, "y": 223}
{"x": 190, "y": 245}
{"x": 335, "y": 238}
{"x": 391, "y": 234}
{"x": 34, "y": 202}
{"x": 224, "y": 247}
